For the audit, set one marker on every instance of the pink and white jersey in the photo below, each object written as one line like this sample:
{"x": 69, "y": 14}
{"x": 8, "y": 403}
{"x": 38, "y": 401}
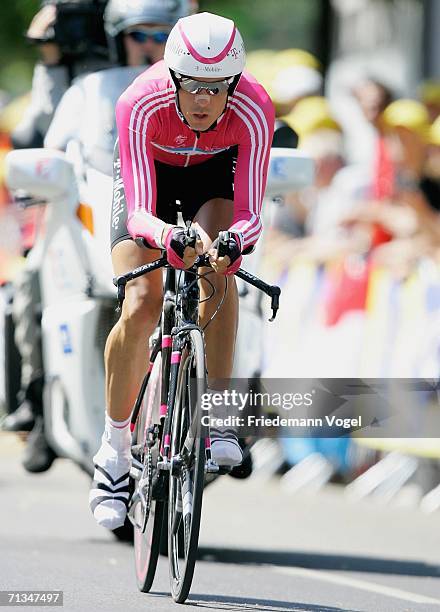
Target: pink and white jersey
{"x": 150, "y": 128}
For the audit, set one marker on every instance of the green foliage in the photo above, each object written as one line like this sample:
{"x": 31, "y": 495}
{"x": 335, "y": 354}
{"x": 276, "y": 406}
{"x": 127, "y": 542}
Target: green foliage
{"x": 17, "y": 57}
{"x": 272, "y": 24}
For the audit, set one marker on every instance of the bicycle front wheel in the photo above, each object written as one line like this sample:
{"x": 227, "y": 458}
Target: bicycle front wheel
{"x": 147, "y": 542}
{"x": 186, "y": 481}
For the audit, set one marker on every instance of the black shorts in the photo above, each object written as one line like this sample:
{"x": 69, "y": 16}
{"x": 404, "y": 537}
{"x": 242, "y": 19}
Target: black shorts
{"x": 178, "y": 189}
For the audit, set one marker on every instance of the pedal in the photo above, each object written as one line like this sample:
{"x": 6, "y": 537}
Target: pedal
{"x": 211, "y": 467}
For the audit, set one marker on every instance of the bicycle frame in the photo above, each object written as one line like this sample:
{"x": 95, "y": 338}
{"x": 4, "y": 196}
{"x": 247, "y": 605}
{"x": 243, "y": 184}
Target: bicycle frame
{"x": 179, "y": 316}
{"x": 188, "y": 317}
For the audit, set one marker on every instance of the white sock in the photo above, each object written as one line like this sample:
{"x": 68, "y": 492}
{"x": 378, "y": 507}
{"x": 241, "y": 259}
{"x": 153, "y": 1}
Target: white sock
{"x": 117, "y": 433}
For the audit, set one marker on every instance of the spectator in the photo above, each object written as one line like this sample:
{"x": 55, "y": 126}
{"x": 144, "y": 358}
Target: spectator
{"x": 311, "y": 114}
{"x": 409, "y": 214}
{"x": 298, "y": 75}
{"x": 373, "y": 98}
{"x": 409, "y": 133}
{"x": 317, "y": 210}
{"x": 357, "y": 105}
{"x": 292, "y": 85}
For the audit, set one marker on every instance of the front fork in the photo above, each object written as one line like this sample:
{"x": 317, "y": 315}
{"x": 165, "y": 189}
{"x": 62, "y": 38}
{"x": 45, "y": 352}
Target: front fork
{"x": 175, "y": 463}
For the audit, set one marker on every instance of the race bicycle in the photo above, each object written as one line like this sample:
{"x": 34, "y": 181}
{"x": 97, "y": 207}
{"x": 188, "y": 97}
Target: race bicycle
{"x": 171, "y": 447}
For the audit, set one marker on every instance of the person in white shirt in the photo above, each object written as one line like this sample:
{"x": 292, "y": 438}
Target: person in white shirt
{"x": 137, "y": 33}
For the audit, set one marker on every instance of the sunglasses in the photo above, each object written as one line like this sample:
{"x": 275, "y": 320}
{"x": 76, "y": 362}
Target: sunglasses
{"x": 142, "y": 36}
{"x": 213, "y": 88}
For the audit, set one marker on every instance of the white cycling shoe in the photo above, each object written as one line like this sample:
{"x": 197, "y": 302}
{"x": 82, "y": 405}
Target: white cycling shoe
{"x": 225, "y": 449}
{"x": 109, "y": 493}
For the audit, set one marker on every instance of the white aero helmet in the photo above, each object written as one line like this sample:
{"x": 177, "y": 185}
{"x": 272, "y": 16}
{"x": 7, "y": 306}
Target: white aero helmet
{"x": 205, "y": 45}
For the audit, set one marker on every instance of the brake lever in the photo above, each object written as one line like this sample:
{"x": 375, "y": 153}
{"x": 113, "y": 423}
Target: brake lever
{"x": 275, "y": 301}
{"x": 120, "y": 284}
{"x": 191, "y": 235}
{"x": 223, "y": 244}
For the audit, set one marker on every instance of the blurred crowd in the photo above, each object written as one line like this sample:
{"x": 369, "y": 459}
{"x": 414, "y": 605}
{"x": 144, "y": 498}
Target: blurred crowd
{"x": 357, "y": 253}
{"x": 377, "y": 155}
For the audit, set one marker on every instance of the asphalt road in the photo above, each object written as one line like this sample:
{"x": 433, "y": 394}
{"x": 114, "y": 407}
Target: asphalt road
{"x": 261, "y": 549}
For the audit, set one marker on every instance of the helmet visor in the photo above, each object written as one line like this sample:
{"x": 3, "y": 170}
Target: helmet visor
{"x": 212, "y": 88}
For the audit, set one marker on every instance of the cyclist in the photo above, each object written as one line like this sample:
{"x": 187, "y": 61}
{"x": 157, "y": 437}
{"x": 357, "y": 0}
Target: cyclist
{"x": 194, "y": 129}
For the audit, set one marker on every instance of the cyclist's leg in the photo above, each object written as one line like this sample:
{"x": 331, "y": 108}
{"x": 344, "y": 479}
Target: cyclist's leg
{"x": 126, "y": 358}
{"x": 126, "y": 351}
{"x": 127, "y": 344}
{"x": 213, "y": 217}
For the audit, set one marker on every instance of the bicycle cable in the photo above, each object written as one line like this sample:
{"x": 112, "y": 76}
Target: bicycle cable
{"x": 213, "y": 292}
{"x": 210, "y": 283}
{"x": 199, "y": 276}
{"x": 219, "y": 305}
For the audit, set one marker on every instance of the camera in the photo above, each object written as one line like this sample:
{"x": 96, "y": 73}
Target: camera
{"x": 78, "y": 29}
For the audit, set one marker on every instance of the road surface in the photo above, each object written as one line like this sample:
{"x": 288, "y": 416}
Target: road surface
{"x": 260, "y": 549}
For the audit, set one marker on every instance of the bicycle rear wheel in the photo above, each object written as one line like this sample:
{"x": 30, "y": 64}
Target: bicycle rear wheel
{"x": 187, "y": 479}
{"x": 147, "y": 543}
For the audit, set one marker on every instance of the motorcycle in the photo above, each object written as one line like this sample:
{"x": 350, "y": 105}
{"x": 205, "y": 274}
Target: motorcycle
{"x": 74, "y": 267}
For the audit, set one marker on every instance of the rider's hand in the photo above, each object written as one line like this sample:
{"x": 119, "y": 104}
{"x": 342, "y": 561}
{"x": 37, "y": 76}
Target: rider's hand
{"x": 230, "y": 262}
{"x": 178, "y": 254}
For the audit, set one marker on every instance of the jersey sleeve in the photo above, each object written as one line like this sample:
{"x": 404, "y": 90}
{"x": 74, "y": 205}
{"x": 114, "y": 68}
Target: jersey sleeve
{"x": 257, "y": 125}
{"x": 136, "y": 128}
